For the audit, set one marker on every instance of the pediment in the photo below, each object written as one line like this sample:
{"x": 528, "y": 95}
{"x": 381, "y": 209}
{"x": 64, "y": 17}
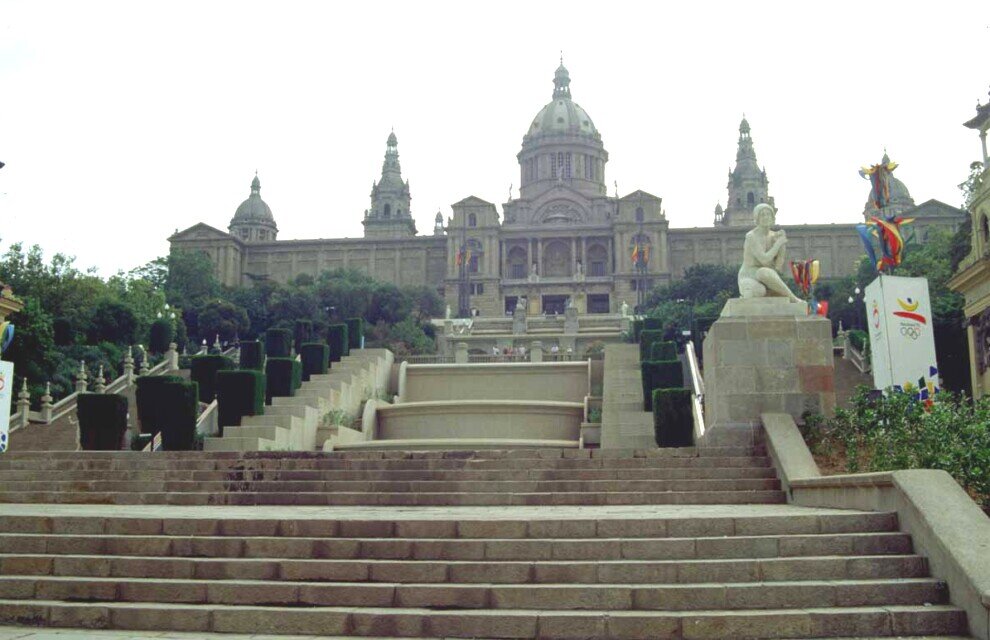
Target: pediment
{"x": 201, "y": 231}
{"x": 639, "y": 195}
{"x": 934, "y": 208}
{"x": 561, "y": 211}
{"x": 472, "y": 201}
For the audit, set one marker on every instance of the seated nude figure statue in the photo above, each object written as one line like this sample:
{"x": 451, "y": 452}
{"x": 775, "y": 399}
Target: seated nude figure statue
{"x": 763, "y": 257}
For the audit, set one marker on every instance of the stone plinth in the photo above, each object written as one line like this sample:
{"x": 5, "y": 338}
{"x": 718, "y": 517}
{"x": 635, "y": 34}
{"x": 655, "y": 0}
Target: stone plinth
{"x": 760, "y": 356}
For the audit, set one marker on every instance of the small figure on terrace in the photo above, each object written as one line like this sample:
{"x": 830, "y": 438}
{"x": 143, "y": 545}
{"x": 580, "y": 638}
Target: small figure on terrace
{"x": 763, "y": 257}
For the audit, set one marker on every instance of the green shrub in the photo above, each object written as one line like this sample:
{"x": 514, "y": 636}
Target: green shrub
{"x": 315, "y": 359}
{"x": 278, "y": 343}
{"x": 281, "y": 377}
{"x": 239, "y": 393}
{"x": 337, "y": 340}
{"x": 860, "y": 340}
{"x": 102, "y": 421}
{"x": 162, "y": 334}
{"x": 203, "y": 371}
{"x": 355, "y": 331}
{"x": 181, "y": 409}
{"x": 303, "y": 332}
{"x": 897, "y": 430}
{"x": 253, "y": 355}
{"x": 637, "y": 329}
{"x": 700, "y": 326}
{"x": 646, "y": 339}
{"x": 673, "y": 421}
{"x": 660, "y": 374}
{"x": 663, "y": 351}
{"x": 149, "y": 401}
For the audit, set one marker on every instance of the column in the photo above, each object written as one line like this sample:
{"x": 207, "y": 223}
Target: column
{"x": 666, "y": 251}
{"x": 574, "y": 255}
{"x": 584, "y": 253}
{"x": 983, "y": 141}
{"x": 539, "y": 254}
{"x": 501, "y": 259}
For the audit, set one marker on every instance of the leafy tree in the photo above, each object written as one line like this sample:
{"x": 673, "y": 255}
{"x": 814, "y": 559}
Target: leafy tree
{"x": 224, "y": 319}
{"x": 190, "y": 283}
{"x": 405, "y": 337}
{"x": 388, "y": 304}
{"x": 113, "y": 322}
{"x": 33, "y": 349}
{"x": 426, "y": 302}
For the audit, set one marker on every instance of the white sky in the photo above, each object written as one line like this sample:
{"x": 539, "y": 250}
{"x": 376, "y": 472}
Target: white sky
{"x": 122, "y": 121}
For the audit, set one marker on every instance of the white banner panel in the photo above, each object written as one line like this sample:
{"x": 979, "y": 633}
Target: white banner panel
{"x": 6, "y": 391}
{"x": 902, "y": 339}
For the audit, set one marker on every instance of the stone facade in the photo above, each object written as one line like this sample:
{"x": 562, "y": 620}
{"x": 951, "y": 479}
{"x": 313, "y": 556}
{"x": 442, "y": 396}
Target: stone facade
{"x": 563, "y": 241}
{"x": 973, "y": 276}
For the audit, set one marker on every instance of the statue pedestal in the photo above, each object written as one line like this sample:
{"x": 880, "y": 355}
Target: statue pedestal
{"x": 762, "y": 355}
{"x": 519, "y": 321}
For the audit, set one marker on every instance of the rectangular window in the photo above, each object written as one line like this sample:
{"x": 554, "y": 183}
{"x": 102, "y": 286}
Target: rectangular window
{"x": 597, "y": 269}
{"x": 553, "y": 166}
{"x": 477, "y": 288}
{"x": 473, "y": 264}
{"x": 588, "y": 173}
{"x": 567, "y": 165}
{"x": 517, "y": 271}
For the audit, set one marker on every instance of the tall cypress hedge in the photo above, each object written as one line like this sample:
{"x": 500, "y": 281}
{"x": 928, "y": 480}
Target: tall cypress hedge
{"x": 337, "y": 340}
{"x": 203, "y": 371}
{"x": 673, "y": 422}
{"x": 162, "y": 334}
{"x": 283, "y": 378}
{"x": 652, "y": 324}
{"x": 663, "y": 351}
{"x": 660, "y": 374}
{"x": 239, "y": 393}
{"x": 149, "y": 403}
{"x": 355, "y": 331}
{"x": 637, "y": 329}
{"x": 181, "y": 400}
{"x": 102, "y": 421}
{"x": 303, "y": 332}
{"x": 253, "y": 355}
{"x": 646, "y": 339}
{"x": 315, "y": 359}
{"x": 278, "y": 343}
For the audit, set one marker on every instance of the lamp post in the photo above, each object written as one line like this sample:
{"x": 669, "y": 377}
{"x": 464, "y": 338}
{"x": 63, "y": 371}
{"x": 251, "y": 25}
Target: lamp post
{"x": 857, "y": 318}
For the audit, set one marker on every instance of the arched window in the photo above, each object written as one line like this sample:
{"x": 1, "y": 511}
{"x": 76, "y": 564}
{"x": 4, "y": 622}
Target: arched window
{"x": 985, "y": 231}
{"x": 472, "y": 220}
{"x": 476, "y": 254}
{"x": 750, "y": 200}
{"x": 639, "y": 214}
{"x": 398, "y": 213}
{"x": 597, "y": 259}
{"x": 517, "y": 263}
{"x": 387, "y": 211}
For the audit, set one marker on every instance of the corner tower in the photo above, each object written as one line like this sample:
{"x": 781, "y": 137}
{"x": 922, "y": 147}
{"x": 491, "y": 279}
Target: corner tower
{"x": 389, "y": 215}
{"x": 253, "y": 221}
{"x": 748, "y": 184}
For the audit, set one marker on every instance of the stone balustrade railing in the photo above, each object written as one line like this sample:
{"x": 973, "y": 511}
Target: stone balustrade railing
{"x": 50, "y": 412}
{"x": 859, "y": 359}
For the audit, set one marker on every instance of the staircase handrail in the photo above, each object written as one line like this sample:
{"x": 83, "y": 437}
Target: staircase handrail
{"x": 697, "y": 391}
{"x": 859, "y": 359}
{"x": 207, "y": 423}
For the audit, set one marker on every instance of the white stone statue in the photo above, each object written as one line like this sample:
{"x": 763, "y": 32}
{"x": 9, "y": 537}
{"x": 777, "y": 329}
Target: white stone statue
{"x": 763, "y": 257}
{"x": 521, "y": 303}
{"x": 625, "y": 309}
{"x": 446, "y": 314}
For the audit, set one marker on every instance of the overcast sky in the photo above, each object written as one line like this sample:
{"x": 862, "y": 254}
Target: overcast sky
{"x": 122, "y": 121}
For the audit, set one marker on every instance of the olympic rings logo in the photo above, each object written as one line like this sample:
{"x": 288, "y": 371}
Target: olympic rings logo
{"x": 911, "y": 332}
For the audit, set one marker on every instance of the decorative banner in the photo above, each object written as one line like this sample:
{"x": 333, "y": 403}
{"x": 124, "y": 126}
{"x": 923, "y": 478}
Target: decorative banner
{"x": 6, "y": 392}
{"x": 879, "y": 177}
{"x": 805, "y": 274}
{"x": 6, "y": 335}
{"x": 902, "y": 341}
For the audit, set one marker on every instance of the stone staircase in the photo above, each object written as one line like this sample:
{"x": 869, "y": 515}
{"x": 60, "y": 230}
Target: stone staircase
{"x": 680, "y": 544}
{"x": 301, "y": 422}
{"x": 712, "y": 475}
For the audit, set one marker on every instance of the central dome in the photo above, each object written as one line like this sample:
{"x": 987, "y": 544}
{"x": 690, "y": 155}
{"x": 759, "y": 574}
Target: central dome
{"x": 562, "y": 115}
{"x": 254, "y": 208}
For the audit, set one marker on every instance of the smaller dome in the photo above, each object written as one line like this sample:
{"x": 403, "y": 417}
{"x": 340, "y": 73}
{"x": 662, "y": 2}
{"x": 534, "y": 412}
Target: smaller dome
{"x": 254, "y": 209}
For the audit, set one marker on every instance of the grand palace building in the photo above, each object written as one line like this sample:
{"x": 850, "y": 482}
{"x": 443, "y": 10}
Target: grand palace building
{"x": 563, "y": 240}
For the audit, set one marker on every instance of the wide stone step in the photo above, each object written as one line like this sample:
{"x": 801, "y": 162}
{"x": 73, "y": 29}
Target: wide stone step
{"x": 237, "y": 461}
{"x": 611, "y": 597}
{"x": 233, "y": 443}
{"x": 398, "y": 486}
{"x": 740, "y": 547}
{"x": 396, "y": 499}
{"x": 490, "y": 572}
{"x": 458, "y": 454}
{"x": 887, "y": 621}
{"x": 467, "y": 526}
{"x": 451, "y": 475}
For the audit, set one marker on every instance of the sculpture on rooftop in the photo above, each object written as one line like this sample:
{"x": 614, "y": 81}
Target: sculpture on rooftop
{"x": 763, "y": 258}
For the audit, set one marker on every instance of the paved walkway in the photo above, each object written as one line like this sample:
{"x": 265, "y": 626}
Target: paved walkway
{"x": 616, "y": 512}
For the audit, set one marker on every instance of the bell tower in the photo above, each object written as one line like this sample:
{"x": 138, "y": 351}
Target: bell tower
{"x": 389, "y": 215}
{"x": 748, "y": 184}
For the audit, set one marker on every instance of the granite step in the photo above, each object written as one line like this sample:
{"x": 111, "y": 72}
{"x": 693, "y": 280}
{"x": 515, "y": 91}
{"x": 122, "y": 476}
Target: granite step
{"x": 655, "y": 572}
{"x": 567, "y": 596}
{"x": 662, "y": 548}
{"x": 887, "y": 621}
{"x": 237, "y": 497}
